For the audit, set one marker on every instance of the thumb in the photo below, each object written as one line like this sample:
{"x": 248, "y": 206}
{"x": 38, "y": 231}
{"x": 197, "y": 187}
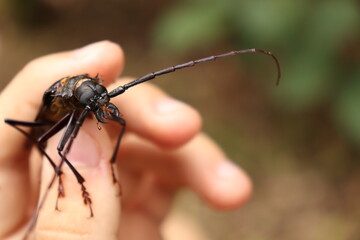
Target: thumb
{"x": 90, "y": 155}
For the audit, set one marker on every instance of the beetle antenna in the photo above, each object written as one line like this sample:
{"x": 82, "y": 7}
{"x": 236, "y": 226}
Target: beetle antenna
{"x": 121, "y": 89}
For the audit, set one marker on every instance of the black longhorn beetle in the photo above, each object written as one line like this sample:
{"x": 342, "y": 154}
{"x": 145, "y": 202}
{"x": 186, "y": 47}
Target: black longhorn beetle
{"x": 69, "y": 101}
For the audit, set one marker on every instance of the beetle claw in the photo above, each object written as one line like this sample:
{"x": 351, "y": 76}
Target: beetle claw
{"x": 114, "y": 110}
{"x": 100, "y": 115}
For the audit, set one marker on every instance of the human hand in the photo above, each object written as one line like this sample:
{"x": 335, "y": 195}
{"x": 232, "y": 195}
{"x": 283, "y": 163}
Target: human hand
{"x": 162, "y": 151}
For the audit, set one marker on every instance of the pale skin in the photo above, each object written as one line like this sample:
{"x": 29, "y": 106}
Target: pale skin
{"x": 162, "y": 152}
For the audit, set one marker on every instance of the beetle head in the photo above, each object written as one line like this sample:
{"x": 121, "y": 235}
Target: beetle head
{"x": 92, "y": 94}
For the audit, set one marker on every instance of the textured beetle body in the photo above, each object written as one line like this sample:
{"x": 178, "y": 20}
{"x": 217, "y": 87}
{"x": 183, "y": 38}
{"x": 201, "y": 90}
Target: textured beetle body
{"x": 75, "y": 93}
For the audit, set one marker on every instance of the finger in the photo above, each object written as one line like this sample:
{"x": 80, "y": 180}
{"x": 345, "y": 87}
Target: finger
{"x": 21, "y": 100}
{"x": 153, "y": 114}
{"x": 215, "y": 178}
{"x": 90, "y": 155}
{"x": 200, "y": 164}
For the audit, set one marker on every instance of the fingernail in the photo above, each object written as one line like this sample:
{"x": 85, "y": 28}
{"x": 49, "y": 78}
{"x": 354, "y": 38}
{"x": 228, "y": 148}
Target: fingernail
{"x": 168, "y": 105}
{"x": 85, "y": 151}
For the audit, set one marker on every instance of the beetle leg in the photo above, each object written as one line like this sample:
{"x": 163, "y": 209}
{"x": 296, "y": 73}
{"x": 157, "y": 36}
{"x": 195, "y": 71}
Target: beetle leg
{"x": 55, "y": 128}
{"x": 80, "y": 180}
{"x": 64, "y": 147}
{"x": 100, "y": 116}
{"x": 39, "y": 143}
{"x": 122, "y": 122}
{"x": 64, "y": 139}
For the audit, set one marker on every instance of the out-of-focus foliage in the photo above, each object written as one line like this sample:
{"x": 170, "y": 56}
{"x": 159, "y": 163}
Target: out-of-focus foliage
{"x": 190, "y": 25}
{"x": 317, "y": 43}
{"x": 347, "y": 108}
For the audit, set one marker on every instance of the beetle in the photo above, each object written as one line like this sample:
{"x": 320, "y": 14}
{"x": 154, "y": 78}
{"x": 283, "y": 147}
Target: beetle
{"x": 69, "y": 101}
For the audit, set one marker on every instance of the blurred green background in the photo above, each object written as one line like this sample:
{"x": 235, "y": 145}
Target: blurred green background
{"x": 299, "y": 141}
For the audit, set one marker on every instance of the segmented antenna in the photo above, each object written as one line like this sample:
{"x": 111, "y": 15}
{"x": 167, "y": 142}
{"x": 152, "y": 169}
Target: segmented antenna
{"x": 121, "y": 89}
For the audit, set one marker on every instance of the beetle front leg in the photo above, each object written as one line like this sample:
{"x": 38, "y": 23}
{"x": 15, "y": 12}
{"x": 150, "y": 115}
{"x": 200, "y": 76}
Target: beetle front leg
{"x": 122, "y": 122}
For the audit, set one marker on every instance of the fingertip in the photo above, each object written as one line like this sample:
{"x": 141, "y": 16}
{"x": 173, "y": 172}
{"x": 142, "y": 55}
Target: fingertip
{"x": 208, "y": 172}
{"x": 230, "y": 187}
{"x": 223, "y": 185}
